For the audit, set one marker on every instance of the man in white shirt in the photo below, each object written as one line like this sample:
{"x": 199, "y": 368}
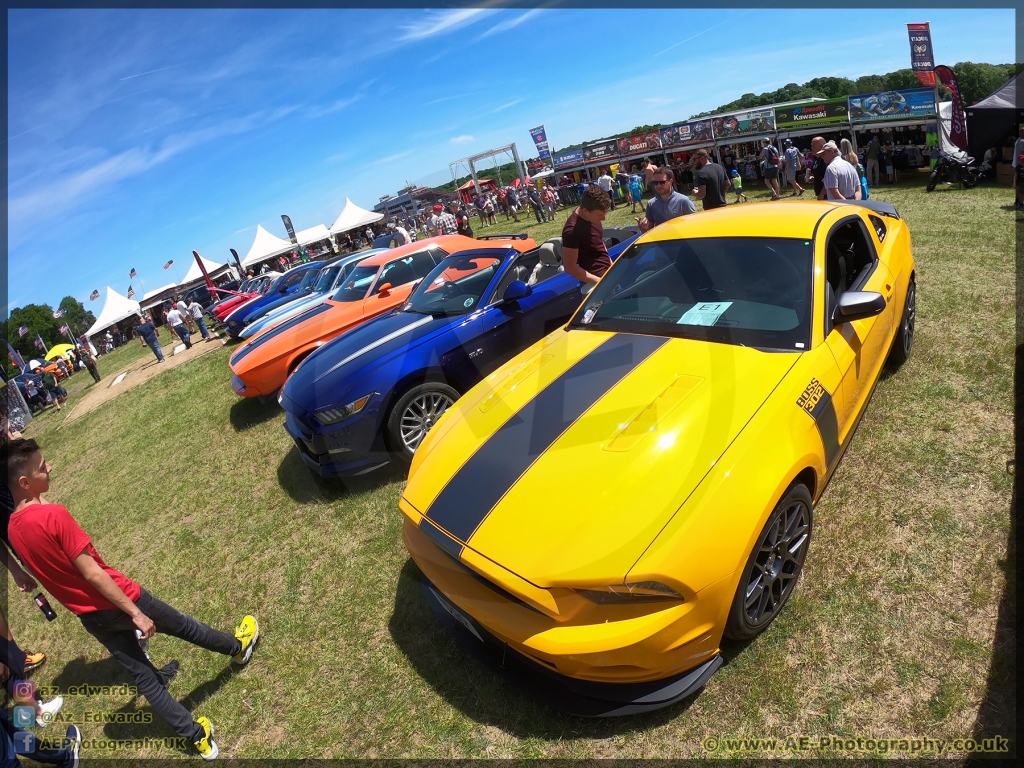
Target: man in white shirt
{"x": 605, "y": 182}
{"x": 841, "y": 179}
{"x": 196, "y": 310}
{"x": 177, "y": 324}
{"x": 401, "y": 235}
{"x": 180, "y": 305}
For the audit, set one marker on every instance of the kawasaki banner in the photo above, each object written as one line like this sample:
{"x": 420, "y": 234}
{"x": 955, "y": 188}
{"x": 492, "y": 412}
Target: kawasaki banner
{"x": 540, "y": 138}
{"x": 913, "y": 102}
{"x": 922, "y": 61}
{"x": 811, "y": 114}
{"x": 958, "y": 123}
{"x": 568, "y": 159}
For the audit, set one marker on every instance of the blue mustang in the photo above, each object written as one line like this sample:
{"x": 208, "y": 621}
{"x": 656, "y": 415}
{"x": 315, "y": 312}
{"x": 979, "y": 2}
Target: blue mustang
{"x": 292, "y": 285}
{"x": 375, "y": 391}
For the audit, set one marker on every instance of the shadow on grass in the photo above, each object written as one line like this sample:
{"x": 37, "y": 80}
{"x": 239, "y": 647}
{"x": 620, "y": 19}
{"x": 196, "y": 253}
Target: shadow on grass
{"x": 304, "y": 486}
{"x": 481, "y": 694}
{"x": 249, "y": 412}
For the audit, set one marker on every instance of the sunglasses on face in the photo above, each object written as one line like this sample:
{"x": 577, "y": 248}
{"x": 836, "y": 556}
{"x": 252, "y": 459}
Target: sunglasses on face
{"x": 659, "y": 182}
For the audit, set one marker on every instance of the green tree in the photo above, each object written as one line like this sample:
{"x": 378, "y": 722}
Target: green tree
{"x": 40, "y": 321}
{"x": 76, "y": 315}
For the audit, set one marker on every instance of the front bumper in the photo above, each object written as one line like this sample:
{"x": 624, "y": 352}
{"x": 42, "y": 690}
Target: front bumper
{"x": 350, "y": 449}
{"x": 584, "y": 698}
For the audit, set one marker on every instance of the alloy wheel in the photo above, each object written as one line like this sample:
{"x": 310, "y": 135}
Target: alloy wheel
{"x": 420, "y": 415}
{"x": 779, "y": 559}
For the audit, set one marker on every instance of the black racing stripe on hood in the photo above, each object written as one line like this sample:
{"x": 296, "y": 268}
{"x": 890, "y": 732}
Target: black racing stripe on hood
{"x": 282, "y": 328}
{"x": 480, "y": 483}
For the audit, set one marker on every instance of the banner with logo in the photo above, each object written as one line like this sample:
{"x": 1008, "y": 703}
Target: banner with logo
{"x": 640, "y": 144}
{"x": 922, "y": 60}
{"x": 748, "y": 123}
{"x": 291, "y": 230}
{"x": 811, "y": 114}
{"x": 888, "y": 105}
{"x": 958, "y": 122}
{"x": 15, "y": 356}
{"x": 693, "y": 132}
{"x": 602, "y": 150}
{"x": 540, "y": 138}
{"x": 567, "y": 159}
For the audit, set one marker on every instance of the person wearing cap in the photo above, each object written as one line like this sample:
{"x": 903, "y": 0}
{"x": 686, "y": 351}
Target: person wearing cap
{"x": 841, "y": 179}
{"x": 737, "y": 185}
{"x": 433, "y": 220}
{"x": 400, "y": 235}
{"x": 770, "y": 157}
{"x": 461, "y": 218}
{"x": 792, "y": 165}
{"x": 818, "y": 169}
{"x": 445, "y": 222}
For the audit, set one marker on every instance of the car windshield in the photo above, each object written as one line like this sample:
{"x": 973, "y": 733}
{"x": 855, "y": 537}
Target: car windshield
{"x": 326, "y": 278}
{"x": 356, "y": 284}
{"x": 455, "y": 286}
{"x": 308, "y": 277}
{"x": 749, "y": 291}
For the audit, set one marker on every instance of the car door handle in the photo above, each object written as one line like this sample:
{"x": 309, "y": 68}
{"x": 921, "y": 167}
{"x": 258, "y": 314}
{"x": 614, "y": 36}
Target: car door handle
{"x": 888, "y": 293}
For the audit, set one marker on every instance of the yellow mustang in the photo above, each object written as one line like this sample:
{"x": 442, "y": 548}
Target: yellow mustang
{"x": 607, "y": 505}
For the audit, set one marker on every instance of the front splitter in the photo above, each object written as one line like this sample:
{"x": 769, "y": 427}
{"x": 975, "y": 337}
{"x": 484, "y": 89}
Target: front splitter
{"x": 584, "y": 698}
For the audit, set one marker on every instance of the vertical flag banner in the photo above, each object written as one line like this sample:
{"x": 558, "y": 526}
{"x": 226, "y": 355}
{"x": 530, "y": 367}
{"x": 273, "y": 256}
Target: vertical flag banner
{"x": 202, "y": 268}
{"x": 132, "y": 274}
{"x": 922, "y": 60}
{"x": 958, "y": 122}
{"x": 241, "y": 272}
{"x": 540, "y": 138}
{"x": 291, "y": 230}
{"x": 15, "y": 356}
{"x": 131, "y": 291}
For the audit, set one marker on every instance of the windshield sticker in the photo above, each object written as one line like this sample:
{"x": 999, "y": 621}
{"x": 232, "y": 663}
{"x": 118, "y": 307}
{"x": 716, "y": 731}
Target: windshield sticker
{"x": 591, "y": 311}
{"x": 706, "y": 313}
{"x": 468, "y": 303}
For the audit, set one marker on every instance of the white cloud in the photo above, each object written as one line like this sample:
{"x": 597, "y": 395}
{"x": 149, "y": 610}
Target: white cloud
{"x": 504, "y": 26}
{"x": 506, "y": 106}
{"x": 390, "y": 158}
{"x": 439, "y": 22}
{"x": 462, "y": 139}
{"x": 659, "y": 101}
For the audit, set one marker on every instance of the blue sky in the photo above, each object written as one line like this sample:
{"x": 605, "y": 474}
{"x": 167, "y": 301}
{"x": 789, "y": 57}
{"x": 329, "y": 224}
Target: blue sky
{"x": 135, "y": 136}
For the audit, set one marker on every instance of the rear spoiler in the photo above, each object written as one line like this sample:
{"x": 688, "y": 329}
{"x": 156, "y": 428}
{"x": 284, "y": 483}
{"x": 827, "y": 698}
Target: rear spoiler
{"x": 886, "y": 209}
{"x": 509, "y": 236}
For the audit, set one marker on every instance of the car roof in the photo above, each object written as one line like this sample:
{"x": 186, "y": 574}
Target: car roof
{"x": 450, "y": 244}
{"x": 782, "y": 218}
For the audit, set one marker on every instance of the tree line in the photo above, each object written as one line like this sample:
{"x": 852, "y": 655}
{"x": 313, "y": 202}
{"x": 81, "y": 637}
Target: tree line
{"x": 40, "y": 322}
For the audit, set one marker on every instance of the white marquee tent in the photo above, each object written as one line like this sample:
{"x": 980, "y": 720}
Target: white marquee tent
{"x": 312, "y": 235}
{"x": 264, "y": 246}
{"x": 155, "y": 291}
{"x": 115, "y": 309}
{"x": 354, "y": 217}
{"x": 194, "y": 272}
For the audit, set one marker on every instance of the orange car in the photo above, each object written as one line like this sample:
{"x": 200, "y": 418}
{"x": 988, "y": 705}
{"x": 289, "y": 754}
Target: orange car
{"x": 376, "y": 285}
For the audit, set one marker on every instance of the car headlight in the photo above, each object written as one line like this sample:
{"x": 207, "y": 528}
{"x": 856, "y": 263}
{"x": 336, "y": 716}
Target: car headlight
{"x": 333, "y": 415}
{"x": 639, "y": 592}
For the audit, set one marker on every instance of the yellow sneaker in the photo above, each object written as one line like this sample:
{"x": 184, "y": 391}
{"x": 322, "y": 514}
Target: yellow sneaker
{"x": 33, "y": 660}
{"x": 248, "y": 633}
{"x": 207, "y": 747}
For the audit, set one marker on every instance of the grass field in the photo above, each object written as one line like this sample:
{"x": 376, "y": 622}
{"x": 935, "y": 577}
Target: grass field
{"x": 902, "y": 625}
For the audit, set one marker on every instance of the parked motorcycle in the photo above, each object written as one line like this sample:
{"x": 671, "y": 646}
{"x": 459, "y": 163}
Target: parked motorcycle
{"x": 953, "y": 169}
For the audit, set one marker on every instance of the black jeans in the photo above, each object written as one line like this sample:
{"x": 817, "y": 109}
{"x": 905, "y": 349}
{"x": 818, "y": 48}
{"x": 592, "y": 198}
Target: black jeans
{"x": 116, "y": 632}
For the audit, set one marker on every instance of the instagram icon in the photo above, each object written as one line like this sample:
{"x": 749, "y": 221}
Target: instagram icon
{"x": 24, "y": 691}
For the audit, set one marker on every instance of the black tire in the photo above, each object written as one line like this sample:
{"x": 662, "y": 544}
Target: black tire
{"x": 968, "y": 180}
{"x": 933, "y": 180}
{"x": 904, "y": 340}
{"x": 774, "y": 566}
{"x": 414, "y": 413}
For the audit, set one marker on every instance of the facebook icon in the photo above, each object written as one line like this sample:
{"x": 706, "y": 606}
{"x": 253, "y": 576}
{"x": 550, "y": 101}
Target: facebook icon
{"x": 24, "y": 742}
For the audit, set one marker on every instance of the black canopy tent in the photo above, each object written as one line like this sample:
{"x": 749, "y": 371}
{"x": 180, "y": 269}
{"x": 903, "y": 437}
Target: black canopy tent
{"x": 993, "y": 121}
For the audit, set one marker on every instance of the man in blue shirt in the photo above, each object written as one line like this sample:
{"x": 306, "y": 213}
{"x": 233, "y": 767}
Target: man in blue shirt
{"x": 667, "y": 203}
{"x": 147, "y": 332}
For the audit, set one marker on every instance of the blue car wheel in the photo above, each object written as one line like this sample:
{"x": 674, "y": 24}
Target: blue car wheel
{"x": 414, "y": 413}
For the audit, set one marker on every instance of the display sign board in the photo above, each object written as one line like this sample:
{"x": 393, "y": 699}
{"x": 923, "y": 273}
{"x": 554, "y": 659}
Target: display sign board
{"x": 747, "y": 123}
{"x": 922, "y": 60}
{"x": 693, "y": 132}
{"x": 540, "y": 138}
{"x": 567, "y": 159}
{"x": 641, "y": 143}
{"x": 887, "y": 105}
{"x": 811, "y": 114}
{"x": 602, "y": 150}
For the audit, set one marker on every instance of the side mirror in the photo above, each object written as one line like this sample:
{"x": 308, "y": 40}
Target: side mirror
{"x": 384, "y": 290}
{"x": 856, "y": 305}
{"x": 516, "y": 290}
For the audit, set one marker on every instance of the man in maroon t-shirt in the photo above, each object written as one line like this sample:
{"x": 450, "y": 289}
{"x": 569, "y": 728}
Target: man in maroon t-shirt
{"x": 584, "y": 254}
{"x": 113, "y": 608}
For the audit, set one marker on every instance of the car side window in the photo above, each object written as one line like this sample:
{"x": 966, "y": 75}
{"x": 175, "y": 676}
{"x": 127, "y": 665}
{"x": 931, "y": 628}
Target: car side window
{"x": 879, "y": 226}
{"x": 850, "y": 259}
{"x": 521, "y": 269}
{"x": 406, "y": 269}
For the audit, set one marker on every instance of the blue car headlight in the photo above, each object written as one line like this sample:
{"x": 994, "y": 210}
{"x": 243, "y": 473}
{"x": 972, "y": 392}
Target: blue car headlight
{"x": 334, "y": 415}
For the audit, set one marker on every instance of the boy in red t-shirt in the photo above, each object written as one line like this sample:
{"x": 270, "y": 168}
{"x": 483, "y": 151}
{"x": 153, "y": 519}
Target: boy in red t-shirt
{"x": 112, "y": 608}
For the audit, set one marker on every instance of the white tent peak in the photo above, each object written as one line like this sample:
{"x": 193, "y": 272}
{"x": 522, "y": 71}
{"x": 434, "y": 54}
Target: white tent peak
{"x": 264, "y": 246}
{"x": 154, "y": 292}
{"x": 194, "y": 272}
{"x": 353, "y": 217}
{"x": 115, "y": 309}
{"x": 312, "y": 235}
